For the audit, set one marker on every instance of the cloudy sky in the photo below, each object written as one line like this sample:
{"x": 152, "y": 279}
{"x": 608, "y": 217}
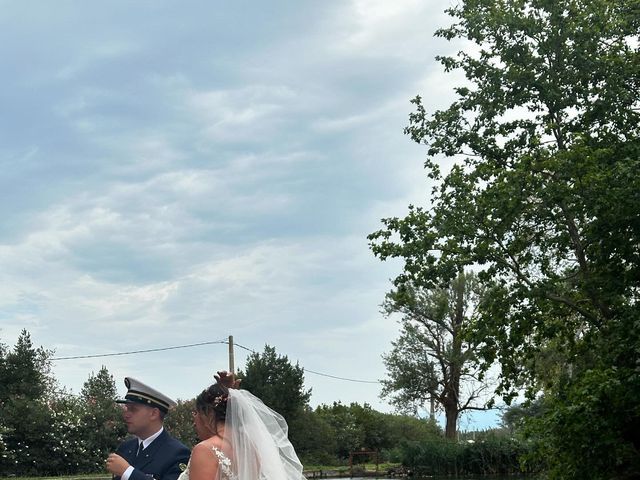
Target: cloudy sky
{"x": 178, "y": 173}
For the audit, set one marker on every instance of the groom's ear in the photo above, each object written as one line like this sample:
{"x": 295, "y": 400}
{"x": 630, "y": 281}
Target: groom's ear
{"x": 157, "y": 414}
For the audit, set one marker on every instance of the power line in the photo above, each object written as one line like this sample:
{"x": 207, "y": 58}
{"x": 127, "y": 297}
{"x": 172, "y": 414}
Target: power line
{"x": 139, "y": 351}
{"x": 341, "y": 378}
{"x": 132, "y": 352}
{"x": 318, "y": 373}
{"x": 245, "y": 348}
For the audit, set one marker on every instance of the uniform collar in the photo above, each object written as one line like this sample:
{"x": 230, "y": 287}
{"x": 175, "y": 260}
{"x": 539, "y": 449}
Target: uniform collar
{"x": 147, "y": 441}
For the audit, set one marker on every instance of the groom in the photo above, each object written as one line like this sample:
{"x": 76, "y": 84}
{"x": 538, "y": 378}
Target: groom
{"x": 153, "y": 453}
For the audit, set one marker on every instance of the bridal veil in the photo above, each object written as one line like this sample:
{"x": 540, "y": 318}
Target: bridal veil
{"x": 259, "y": 442}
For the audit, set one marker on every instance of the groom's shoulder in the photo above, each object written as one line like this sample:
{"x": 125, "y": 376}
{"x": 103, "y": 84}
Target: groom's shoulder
{"x": 129, "y": 440}
{"x": 174, "y": 443}
{"x": 128, "y": 443}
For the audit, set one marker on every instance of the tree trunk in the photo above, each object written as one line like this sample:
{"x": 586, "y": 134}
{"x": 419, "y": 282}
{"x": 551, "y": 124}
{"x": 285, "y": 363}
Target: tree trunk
{"x": 451, "y": 412}
{"x": 451, "y": 404}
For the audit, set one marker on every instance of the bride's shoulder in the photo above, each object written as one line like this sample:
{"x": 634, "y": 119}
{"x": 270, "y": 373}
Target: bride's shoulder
{"x": 201, "y": 446}
{"x": 205, "y": 447}
{"x": 201, "y": 450}
{"x": 205, "y": 444}
{"x": 203, "y": 460}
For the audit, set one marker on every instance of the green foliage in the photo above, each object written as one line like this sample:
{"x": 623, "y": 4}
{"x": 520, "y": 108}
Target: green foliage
{"x": 348, "y": 434}
{"x": 275, "y": 380}
{"x": 62, "y": 434}
{"x": 27, "y": 422}
{"x": 374, "y": 427}
{"x": 355, "y": 427}
{"x": 544, "y": 198}
{"x": 487, "y": 455}
{"x": 45, "y": 431}
{"x": 515, "y": 416}
{"x": 280, "y": 385}
{"x": 179, "y": 422}
{"x": 102, "y": 425}
{"x": 25, "y": 371}
{"x": 313, "y": 437}
{"x": 409, "y": 428}
{"x": 48, "y": 437}
{"x": 575, "y": 421}
{"x": 25, "y": 414}
{"x": 73, "y": 433}
{"x": 69, "y": 440}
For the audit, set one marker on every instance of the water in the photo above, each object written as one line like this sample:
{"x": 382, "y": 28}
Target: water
{"x": 477, "y": 477}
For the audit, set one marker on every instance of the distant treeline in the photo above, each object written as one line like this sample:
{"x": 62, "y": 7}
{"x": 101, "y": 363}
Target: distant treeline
{"x": 45, "y": 430}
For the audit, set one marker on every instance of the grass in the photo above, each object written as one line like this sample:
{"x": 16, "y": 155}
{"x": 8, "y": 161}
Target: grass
{"x": 93, "y": 476}
{"x": 368, "y": 467}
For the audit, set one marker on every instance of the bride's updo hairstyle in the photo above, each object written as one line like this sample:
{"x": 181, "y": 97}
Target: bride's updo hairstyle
{"x": 212, "y": 401}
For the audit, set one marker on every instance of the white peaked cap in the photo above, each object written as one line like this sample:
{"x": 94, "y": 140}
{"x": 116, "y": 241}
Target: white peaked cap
{"x": 138, "y": 392}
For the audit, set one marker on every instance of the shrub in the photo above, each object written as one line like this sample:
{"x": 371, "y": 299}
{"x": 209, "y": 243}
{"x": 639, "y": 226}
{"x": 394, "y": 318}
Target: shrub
{"x": 491, "y": 454}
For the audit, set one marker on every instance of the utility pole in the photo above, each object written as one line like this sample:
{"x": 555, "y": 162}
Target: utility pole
{"x": 231, "y": 358}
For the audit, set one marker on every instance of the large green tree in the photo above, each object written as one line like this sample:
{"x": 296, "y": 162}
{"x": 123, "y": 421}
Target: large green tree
{"x": 101, "y": 417}
{"x": 25, "y": 370}
{"x": 315, "y": 439}
{"x": 26, "y": 391}
{"x": 278, "y": 382}
{"x": 349, "y": 433}
{"x": 431, "y": 360}
{"x": 280, "y": 385}
{"x": 543, "y": 196}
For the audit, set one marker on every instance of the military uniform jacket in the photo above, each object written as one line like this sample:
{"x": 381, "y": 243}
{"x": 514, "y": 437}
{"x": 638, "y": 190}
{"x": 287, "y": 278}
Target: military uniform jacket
{"x": 164, "y": 459}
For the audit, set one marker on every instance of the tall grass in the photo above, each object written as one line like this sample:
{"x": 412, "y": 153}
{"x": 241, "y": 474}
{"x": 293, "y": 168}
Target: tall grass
{"x": 491, "y": 455}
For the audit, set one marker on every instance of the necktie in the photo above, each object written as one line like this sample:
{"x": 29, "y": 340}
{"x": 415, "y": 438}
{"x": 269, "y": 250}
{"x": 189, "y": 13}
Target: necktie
{"x": 140, "y": 448}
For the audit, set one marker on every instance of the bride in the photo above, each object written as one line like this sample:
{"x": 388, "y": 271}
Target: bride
{"x": 241, "y": 438}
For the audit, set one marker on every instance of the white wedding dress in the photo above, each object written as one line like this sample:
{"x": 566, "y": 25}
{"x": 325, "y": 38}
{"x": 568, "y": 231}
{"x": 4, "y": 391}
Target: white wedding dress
{"x": 224, "y": 466}
{"x": 259, "y": 442}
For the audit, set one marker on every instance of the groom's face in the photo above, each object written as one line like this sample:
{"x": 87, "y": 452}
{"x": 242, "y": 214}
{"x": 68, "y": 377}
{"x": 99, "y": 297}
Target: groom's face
{"x": 138, "y": 418}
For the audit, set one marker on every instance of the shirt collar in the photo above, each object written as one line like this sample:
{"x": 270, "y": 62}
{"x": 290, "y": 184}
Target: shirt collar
{"x": 147, "y": 441}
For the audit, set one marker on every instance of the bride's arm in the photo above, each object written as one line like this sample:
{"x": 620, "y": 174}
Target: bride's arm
{"x": 204, "y": 464}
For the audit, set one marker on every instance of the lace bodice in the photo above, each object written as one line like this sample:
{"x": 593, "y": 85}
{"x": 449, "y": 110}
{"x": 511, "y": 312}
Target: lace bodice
{"x": 224, "y": 466}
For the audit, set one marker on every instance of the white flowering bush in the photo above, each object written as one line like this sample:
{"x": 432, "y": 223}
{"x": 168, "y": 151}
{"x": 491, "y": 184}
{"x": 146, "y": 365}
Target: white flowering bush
{"x": 66, "y": 437}
{"x": 27, "y": 423}
{"x": 102, "y": 430}
{"x": 7, "y": 455}
{"x": 45, "y": 431}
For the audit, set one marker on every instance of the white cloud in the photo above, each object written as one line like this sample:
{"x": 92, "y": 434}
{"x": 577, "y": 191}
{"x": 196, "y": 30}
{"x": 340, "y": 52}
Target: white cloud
{"x": 174, "y": 181}
{"x": 95, "y": 53}
{"x": 242, "y": 114}
{"x": 377, "y": 28}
